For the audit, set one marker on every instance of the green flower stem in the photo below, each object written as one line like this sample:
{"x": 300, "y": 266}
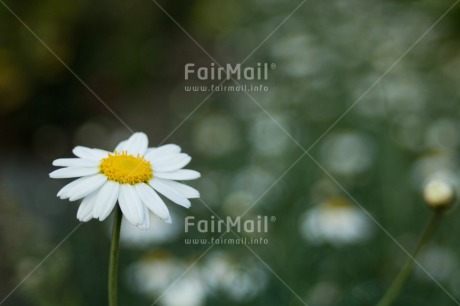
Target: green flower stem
{"x": 113, "y": 263}
{"x": 398, "y": 284}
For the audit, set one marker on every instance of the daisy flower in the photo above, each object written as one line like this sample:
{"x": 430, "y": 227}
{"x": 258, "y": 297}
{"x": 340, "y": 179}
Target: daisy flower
{"x": 132, "y": 175}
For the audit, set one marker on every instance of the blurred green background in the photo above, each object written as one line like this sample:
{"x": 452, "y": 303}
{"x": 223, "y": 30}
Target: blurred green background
{"x": 403, "y": 132}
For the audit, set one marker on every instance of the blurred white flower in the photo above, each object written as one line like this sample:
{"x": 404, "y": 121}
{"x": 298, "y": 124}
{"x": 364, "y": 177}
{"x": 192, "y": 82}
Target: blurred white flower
{"x": 237, "y": 279}
{"x": 153, "y": 275}
{"x": 131, "y": 175}
{"x": 335, "y": 221}
{"x": 442, "y": 134}
{"x": 405, "y": 94}
{"x": 267, "y": 137}
{"x": 439, "y": 165}
{"x": 348, "y": 153}
{"x": 300, "y": 54}
{"x": 253, "y": 179}
{"x": 159, "y": 232}
{"x": 169, "y": 280}
{"x": 438, "y": 261}
{"x": 186, "y": 291}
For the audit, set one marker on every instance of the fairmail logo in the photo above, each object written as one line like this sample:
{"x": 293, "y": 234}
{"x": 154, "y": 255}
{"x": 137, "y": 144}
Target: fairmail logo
{"x": 259, "y": 224}
{"x": 227, "y": 72}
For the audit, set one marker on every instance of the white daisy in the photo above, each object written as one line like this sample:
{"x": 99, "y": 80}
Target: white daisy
{"x": 131, "y": 175}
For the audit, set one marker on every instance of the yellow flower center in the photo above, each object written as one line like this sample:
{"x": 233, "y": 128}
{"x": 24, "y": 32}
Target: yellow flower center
{"x": 126, "y": 169}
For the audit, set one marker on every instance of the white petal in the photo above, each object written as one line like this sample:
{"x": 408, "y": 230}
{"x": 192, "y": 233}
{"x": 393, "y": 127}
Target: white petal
{"x": 64, "y": 190}
{"x": 168, "y": 149}
{"x": 87, "y": 186}
{"x": 167, "y": 158}
{"x": 87, "y": 153}
{"x": 153, "y": 201}
{"x": 181, "y": 175}
{"x": 74, "y": 172}
{"x": 131, "y": 204}
{"x": 121, "y": 146}
{"x": 173, "y": 163}
{"x": 83, "y": 152}
{"x": 85, "y": 211}
{"x": 106, "y": 200}
{"x": 137, "y": 144}
{"x": 75, "y": 162}
{"x": 183, "y": 189}
{"x": 170, "y": 193}
{"x": 101, "y": 153}
{"x": 145, "y": 225}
